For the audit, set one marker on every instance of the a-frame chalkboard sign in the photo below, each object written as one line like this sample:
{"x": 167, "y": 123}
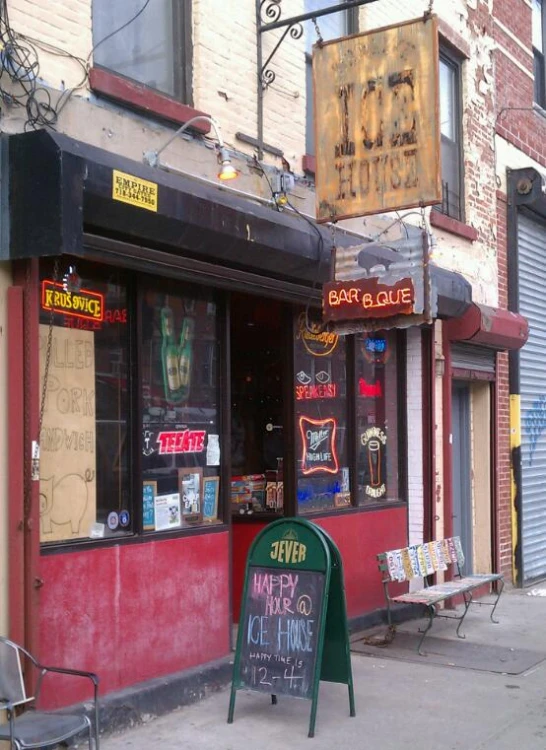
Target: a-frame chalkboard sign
{"x": 293, "y": 625}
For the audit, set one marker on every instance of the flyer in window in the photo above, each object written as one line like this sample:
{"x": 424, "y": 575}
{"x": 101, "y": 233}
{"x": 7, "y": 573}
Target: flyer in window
{"x": 167, "y": 512}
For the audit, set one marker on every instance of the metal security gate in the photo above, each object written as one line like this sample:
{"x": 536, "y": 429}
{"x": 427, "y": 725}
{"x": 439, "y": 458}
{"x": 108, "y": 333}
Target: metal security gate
{"x": 532, "y": 304}
{"x": 471, "y": 357}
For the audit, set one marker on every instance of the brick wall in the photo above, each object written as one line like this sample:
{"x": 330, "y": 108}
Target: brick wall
{"x": 520, "y": 135}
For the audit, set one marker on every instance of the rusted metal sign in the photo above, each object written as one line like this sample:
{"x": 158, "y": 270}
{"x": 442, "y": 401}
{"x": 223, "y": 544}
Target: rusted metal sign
{"x": 367, "y": 298}
{"x": 377, "y": 121}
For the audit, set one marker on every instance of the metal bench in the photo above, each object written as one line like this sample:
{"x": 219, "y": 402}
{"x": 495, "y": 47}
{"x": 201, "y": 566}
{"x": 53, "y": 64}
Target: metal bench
{"x": 424, "y": 560}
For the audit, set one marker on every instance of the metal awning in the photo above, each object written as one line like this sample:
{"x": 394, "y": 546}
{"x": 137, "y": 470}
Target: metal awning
{"x": 489, "y": 326}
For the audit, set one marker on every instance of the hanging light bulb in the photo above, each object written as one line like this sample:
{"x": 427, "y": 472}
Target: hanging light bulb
{"x": 71, "y": 280}
{"x": 227, "y": 170}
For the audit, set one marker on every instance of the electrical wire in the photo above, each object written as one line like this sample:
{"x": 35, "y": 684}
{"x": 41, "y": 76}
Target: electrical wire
{"x": 309, "y": 327}
{"x": 20, "y": 64}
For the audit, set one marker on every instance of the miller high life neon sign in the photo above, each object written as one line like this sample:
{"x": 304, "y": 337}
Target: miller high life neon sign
{"x": 318, "y": 438}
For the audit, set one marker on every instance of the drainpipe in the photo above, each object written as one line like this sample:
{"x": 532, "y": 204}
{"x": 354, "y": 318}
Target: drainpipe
{"x": 448, "y": 440}
{"x": 26, "y": 278}
{"x": 15, "y": 457}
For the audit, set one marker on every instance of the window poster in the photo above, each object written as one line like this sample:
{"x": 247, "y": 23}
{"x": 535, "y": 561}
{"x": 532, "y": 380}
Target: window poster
{"x": 191, "y": 486}
{"x": 211, "y": 487}
{"x": 167, "y": 512}
{"x": 68, "y": 435}
{"x": 149, "y": 491}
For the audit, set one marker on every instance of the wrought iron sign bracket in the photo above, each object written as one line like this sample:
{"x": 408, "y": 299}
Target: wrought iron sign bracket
{"x": 269, "y": 18}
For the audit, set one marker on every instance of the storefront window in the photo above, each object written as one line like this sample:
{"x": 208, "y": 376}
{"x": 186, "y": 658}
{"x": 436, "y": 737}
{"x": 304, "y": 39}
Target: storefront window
{"x": 180, "y": 431}
{"x": 377, "y": 418}
{"x": 321, "y": 418}
{"x": 84, "y": 479}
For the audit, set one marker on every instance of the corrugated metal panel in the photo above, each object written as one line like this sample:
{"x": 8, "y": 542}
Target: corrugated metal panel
{"x": 532, "y": 304}
{"x": 468, "y": 357}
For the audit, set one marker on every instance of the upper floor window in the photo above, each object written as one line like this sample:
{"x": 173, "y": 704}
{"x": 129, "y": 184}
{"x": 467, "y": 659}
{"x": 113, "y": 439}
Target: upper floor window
{"x": 331, "y": 27}
{"x": 538, "y": 53}
{"x": 451, "y": 143}
{"x": 152, "y": 43}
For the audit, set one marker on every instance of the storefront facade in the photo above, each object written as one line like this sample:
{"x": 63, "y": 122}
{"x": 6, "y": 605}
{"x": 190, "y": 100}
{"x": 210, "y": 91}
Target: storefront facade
{"x": 191, "y": 396}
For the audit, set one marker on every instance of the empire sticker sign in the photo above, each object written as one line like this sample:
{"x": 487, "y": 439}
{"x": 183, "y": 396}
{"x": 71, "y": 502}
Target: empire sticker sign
{"x": 377, "y": 121}
{"x": 135, "y": 191}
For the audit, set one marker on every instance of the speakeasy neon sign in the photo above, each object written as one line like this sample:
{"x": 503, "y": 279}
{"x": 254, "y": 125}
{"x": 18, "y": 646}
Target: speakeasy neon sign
{"x": 84, "y": 303}
{"x": 309, "y": 392}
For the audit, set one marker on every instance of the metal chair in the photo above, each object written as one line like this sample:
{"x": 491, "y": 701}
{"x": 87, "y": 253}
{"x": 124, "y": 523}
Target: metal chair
{"x": 39, "y": 729}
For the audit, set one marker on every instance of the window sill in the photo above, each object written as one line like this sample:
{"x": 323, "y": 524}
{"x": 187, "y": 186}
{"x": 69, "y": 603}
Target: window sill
{"x": 144, "y": 538}
{"x": 539, "y": 110}
{"x": 350, "y": 510}
{"x": 144, "y": 99}
{"x": 309, "y": 164}
{"x": 449, "y": 224}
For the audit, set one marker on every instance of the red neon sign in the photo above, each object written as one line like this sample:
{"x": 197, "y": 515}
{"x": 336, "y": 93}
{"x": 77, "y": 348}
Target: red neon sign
{"x": 318, "y": 438}
{"x": 369, "y": 390}
{"x": 367, "y": 298}
{"x": 183, "y": 441}
{"x": 308, "y": 392}
{"x": 83, "y": 304}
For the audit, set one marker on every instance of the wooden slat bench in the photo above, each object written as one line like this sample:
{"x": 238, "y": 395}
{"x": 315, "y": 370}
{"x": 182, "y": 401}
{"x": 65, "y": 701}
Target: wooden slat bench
{"x": 422, "y": 561}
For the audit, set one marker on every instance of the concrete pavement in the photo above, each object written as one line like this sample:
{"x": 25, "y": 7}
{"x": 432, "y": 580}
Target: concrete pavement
{"x": 399, "y": 703}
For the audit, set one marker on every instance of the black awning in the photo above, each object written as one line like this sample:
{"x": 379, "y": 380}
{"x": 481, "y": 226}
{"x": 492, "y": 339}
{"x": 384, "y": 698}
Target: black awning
{"x": 58, "y": 186}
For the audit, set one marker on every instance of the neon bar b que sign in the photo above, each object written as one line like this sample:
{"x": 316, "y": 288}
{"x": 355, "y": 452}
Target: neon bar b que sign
{"x": 367, "y": 298}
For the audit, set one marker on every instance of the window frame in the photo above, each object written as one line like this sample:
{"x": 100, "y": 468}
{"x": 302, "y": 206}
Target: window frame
{"x": 539, "y": 61}
{"x": 135, "y": 283}
{"x": 455, "y": 62}
{"x": 351, "y": 429}
{"x": 401, "y": 427}
{"x": 182, "y": 56}
{"x": 352, "y": 28}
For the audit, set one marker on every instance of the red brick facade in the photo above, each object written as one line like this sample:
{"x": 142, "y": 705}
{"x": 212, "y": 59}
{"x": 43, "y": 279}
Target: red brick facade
{"x": 520, "y": 123}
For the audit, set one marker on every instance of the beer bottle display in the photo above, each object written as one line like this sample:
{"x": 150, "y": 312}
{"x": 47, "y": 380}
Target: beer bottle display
{"x": 169, "y": 358}
{"x": 185, "y": 358}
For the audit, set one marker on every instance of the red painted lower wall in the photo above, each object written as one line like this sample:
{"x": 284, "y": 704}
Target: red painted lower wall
{"x": 135, "y": 611}
{"x": 359, "y": 536}
{"x": 243, "y": 536}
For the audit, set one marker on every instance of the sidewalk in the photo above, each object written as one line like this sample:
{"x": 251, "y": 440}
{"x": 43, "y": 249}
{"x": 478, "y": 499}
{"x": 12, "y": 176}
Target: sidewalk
{"x": 399, "y": 703}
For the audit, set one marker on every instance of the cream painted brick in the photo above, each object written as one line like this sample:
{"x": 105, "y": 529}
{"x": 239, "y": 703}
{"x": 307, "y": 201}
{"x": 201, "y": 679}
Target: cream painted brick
{"x": 225, "y": 61}
{"x": 62, "y": 23}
